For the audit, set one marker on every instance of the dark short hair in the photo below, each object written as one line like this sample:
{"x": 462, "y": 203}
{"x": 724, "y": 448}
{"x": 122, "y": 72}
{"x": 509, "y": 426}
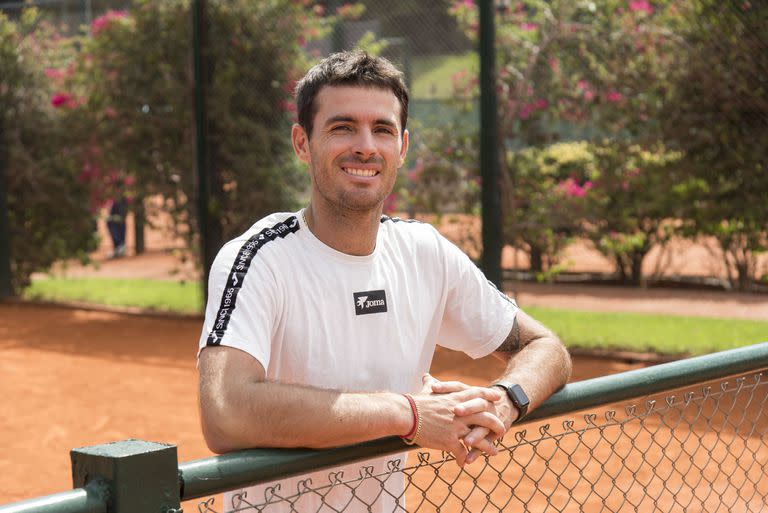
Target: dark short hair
{"x": 352, "y": 68}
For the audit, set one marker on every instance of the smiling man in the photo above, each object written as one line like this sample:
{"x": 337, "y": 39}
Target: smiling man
{"x": 321, "y": 324}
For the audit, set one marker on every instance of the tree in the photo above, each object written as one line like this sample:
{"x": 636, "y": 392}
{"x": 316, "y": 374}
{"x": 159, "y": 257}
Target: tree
{"x": 595, "y": 71}
{"x": 718, "y": 116}
{"x": 50, "y": 214}
{"x": 135, "y": 77}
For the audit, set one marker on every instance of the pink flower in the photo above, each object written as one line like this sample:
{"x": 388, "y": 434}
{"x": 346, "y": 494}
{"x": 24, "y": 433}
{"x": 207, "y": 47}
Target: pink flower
{"x": 614, "y": 96}
{"x": 55, "y": 74}
{"x": 541, "y": 104}
{"x": 415, "y": 172}
{"x": 390, "y": 203}
{"x": 583, "y": 85}
{"x": 88, "y": 172}
{"x": 287, "y": 106}
{"x": 62, "y": 100}
{"x": 641, "y": 6}
{"x": 571, "y": 188}
{"x": 106, "y": 19}
{"x": 526, "y": 111}
{"x": 588, "y": 95}
{"x": 527, "y": 26}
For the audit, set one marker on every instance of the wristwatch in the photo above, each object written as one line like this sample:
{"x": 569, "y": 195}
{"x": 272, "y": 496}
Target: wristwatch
{"x": 517, "y": 396}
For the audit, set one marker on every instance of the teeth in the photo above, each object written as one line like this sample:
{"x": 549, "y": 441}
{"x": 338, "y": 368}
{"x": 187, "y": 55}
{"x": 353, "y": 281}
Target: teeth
{"x": 360, "y": 172}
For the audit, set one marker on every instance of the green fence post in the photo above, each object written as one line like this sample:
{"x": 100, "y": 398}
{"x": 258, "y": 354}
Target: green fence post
{"x": 141, "y": 477}
{"x": 490, "y": 196}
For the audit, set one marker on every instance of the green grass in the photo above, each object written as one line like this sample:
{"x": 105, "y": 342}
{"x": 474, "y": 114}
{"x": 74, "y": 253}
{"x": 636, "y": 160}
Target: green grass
{"x": 160, "y": 295}
{"x": 627, "y": 331}
{"x": 647, "y": 332}
{"x": 432, "y": 76}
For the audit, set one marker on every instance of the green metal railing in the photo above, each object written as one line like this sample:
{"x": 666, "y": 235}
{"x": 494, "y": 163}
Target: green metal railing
{"x": 133, "y": 476}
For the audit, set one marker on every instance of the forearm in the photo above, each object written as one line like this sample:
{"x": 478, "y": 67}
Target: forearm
{"x": 536, "y": 360}
{"x": 540, "y": 368}
{"x": 265, "y": 414}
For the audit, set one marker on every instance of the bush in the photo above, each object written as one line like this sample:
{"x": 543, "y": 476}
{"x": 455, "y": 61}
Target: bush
{"x": 136, "y": 79}
{"x": 546, "y": 200}
{"x": 49, "y": 209}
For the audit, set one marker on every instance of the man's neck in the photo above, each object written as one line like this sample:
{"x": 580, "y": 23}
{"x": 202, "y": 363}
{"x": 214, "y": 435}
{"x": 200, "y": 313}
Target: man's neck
{"x": 353, "y": 233}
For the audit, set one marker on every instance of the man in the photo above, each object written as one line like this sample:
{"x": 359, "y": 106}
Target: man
{"x": 321, "y": 324}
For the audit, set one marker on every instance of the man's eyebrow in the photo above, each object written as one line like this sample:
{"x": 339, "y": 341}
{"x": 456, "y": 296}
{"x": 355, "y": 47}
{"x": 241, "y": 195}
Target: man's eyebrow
{"x": 349, "y": 119}
{"x": 339, "y": 119}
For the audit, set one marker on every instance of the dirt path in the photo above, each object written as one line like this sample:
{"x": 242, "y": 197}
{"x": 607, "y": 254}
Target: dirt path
{"x": 71, "y": 378}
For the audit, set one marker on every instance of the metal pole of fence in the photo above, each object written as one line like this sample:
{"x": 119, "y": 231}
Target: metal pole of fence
{"x": 91, "y": 499}
{"x": 651, "y": 380}
{"x": 489, "y": 147}
{"x": 139, "y": 476}
{"x": 208, "y": 476}
{"x": 5, "y": 231}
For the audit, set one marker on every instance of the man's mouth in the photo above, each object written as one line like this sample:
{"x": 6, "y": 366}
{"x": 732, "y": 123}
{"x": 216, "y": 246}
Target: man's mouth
{"x": 367, "y": 173}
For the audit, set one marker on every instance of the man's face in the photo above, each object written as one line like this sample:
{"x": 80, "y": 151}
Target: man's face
{"x": 356, "y": 148}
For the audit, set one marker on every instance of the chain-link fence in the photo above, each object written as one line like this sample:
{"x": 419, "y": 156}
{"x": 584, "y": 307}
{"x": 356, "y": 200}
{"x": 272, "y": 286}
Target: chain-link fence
{"x": 701, "y": 448}
{"x": 687, "y": 435}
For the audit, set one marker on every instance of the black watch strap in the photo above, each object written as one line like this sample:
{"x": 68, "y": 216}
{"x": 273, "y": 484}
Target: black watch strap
{"x": 517, "y": 396}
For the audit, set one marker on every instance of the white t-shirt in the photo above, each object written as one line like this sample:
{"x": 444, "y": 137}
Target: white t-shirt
{"x": 314, "y": 316}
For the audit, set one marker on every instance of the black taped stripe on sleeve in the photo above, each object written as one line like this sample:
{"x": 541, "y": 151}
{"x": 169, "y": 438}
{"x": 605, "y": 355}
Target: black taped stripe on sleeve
{"x": 240, "y": 269}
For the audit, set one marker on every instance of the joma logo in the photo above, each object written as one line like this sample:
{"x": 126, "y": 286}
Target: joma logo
{"x": 372, "y": 301}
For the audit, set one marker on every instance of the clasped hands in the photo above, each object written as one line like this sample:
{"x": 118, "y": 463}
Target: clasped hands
{"x": 462, "y": 419}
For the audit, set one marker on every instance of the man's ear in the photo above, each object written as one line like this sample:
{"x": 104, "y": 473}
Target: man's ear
{"x": 404, "y": 147}
{"x": 300, "y": 141}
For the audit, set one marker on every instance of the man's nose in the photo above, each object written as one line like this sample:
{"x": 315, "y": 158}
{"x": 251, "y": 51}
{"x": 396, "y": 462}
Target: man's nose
{"x": 365, "y": 144}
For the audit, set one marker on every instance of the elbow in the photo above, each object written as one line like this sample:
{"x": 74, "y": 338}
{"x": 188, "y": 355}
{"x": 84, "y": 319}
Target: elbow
{"x": 561, "y": 357}
{"x": 567, "y": 364}
{"x": 222, "y": 425}
{"x": 218, "y": 434}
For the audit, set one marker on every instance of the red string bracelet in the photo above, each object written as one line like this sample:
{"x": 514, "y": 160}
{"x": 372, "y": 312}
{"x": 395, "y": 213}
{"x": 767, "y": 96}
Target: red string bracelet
{"x": 415, "y": 414}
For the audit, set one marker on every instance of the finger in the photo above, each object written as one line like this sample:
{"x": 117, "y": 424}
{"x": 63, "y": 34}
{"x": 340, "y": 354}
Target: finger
{"x": 489, "y": 394}
{"x": 473, "y": 406}
{"x": 476, "y": 434}
{"x": 472, "y": 456}
{"x": 460, "y": 453}
{"x": 427, "y": 382}
{"x": 486, "y": 446}
{"x": 486, "y": 420}
{"x": 447, "y": 387}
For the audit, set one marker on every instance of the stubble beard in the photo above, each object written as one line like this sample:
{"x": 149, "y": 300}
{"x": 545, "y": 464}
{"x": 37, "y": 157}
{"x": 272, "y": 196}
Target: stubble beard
{"x": 349, "y": 201}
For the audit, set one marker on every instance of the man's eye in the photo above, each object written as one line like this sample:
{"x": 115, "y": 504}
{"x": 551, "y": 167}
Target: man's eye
{"x": 341, "y": 128}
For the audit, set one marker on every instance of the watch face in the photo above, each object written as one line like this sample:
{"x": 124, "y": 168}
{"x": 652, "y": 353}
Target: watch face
{"x": 517, "y": 395}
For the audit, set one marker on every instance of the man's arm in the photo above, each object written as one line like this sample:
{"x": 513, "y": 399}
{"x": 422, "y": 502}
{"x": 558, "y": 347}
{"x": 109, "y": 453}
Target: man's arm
{"x": 239, "y": 409}
{"x": 536, "y": 360}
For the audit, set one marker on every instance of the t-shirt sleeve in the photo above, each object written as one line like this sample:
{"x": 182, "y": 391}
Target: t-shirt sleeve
{"x": 478, "y": 317}
{"x": 242, "y": 309}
